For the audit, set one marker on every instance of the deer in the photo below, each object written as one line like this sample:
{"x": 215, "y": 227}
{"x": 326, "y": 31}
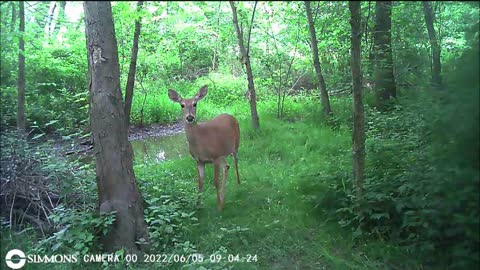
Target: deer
{"x": 209, "y": 142}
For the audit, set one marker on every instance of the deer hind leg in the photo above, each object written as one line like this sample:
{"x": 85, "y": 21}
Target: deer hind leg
{"x": 224, "y": 180}
{"x": 201, "y": 175}
{"x": 220, "y": 186}
{"x": 235, "y": 158}
{"x": 216, "y": 165}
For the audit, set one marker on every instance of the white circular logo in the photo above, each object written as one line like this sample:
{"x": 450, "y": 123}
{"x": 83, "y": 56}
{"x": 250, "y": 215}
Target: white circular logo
{"x": 20, "y": 262}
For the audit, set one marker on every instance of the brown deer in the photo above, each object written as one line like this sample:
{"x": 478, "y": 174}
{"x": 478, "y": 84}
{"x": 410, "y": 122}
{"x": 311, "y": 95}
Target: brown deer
{"x": 209, "y": 142}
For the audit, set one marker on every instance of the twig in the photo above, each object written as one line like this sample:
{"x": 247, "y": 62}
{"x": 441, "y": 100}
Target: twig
{"x": 25, "y": 212}
{"x": 11, "y": 208}
{"x": 49, "y": 199}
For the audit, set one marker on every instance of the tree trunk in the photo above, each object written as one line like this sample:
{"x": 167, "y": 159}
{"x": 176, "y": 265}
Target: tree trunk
{"x": 117, "y": 190}
{"x": 435, "y": 47}
{"x": 53, "y": 23}
{"x": 358, "y": 114}
{"x": 61, "y": 16}
{"x": 63, "y": 4}
{"x": 49, "y": 18}
{"x": 21, "y": 73}
{"x": 133, "y": 67}
{"x": 14, "y": 17}
{"x": 316, "y": 62}
{"x": 217, "y": 36}
{"x": 385, "y": 88}
{"x": 246, "y": 60}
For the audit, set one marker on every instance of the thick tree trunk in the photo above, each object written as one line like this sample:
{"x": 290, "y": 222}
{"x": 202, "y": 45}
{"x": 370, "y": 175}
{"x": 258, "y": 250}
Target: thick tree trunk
{"x": 246, "y": 60}
{"x": 435, "y": 47}
{"x": 385, "y": 88}
{"x": 117, "y": 189}
{"x": 133, "y": 67}
{"x": 316, "y": 61}
{"x": 358, "y": 113}
{"x": 21, "y": 73}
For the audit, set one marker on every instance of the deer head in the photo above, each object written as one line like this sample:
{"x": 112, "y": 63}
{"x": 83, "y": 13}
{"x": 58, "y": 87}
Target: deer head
{"x": 189, "y": 105}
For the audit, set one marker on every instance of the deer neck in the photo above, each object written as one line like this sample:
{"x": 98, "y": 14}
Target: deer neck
{"x": 191, "y": 130}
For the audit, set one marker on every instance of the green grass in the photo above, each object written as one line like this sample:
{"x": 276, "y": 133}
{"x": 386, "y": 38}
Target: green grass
{"x": 270, "y": 214}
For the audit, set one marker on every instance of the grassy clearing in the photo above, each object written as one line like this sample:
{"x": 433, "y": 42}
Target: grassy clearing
{"x": 270, "y": 213}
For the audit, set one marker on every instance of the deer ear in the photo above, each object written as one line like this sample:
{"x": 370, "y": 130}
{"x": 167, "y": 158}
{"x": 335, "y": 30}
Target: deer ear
{"x": 174, "y": 96}
{"x": 202, "y": 92}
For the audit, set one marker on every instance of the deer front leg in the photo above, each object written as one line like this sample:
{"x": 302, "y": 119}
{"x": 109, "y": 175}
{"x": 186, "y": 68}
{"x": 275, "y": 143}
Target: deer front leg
{"x": 201, "y": 174}
{"x": 216, "y": 165}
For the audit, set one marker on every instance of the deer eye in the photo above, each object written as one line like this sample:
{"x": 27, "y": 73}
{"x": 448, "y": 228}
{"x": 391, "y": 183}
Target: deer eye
{"x": 194, "y": 104}
{"x": 183, "y": 106}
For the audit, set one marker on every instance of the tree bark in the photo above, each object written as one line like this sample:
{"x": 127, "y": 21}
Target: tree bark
{"x": 435, "y": 47}
{"x": 316, "y": 62}
{"x": 21, "y": 73}
{"x": 133, "y": 67}
{"x": 246, "y": 60}
{"x": 117, "y": 190}
{"x": 385, "y": 88}
{"x": 358, "y": 113}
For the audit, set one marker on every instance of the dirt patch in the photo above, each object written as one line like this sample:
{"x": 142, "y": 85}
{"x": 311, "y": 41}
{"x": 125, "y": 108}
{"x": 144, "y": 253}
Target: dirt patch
{"x": 155, "y": 130}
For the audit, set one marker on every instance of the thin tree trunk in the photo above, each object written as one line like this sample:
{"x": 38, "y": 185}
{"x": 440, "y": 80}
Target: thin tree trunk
{"x": 49, "y": 18}
{"x": 21, "y": 73}
{"x": 53, "y": 23}
{"x": 316, "y": 62}
{"x": 14, "y": 17}
{"x": 63, "y": 4}
{"x": 117, "y": 190}
{"x": 358, "y": 113}
{"x": 368, "y": 45}
{"x": 217, "y": 35}
{"x": 133, "y": 67}
{"x": 385, "y": 88}
{"x": 436, "y": 64}
{"x": 61, "y": 14}
{"x": 246, "y": 60}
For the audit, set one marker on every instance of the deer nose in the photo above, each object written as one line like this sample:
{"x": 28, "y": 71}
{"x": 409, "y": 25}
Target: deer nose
{"x": 190, "y": 118}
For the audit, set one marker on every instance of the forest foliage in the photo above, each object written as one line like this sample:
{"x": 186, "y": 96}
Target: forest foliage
{"x": 422, "y": 154}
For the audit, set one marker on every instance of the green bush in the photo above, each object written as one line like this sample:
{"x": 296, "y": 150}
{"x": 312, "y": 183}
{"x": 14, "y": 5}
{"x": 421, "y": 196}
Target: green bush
{"x": 77, "y": 231}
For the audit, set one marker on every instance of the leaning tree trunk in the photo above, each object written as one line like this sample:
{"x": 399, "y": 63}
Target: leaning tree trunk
{"x": 117, "y": 190}
{"x": 133, "y": 67}
{"x": 358, "y": 114}
{"x": 21, "y": 73}
{"x": 316, "y": 61}
{"x": 435, "y": 47}
{"x": 385, "y": 88}
{"x": 246, "y": 60}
